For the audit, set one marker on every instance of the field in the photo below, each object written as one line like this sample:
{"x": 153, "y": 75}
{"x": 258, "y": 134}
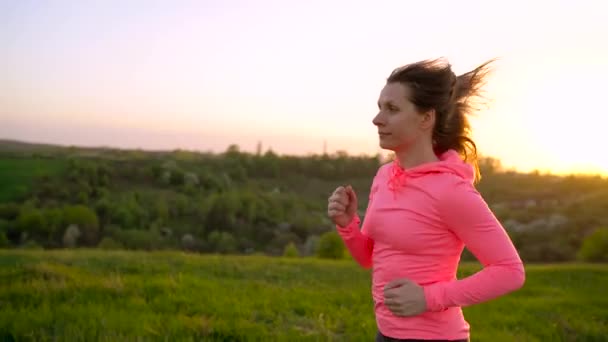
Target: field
{"x": 91, "y": 295}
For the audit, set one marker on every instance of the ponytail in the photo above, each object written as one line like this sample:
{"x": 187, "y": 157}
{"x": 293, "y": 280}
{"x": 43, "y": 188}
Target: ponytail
{"x": 435, "y": 86}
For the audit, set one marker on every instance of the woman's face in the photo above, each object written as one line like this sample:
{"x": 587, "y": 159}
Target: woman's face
{"x": 399, "y": 123}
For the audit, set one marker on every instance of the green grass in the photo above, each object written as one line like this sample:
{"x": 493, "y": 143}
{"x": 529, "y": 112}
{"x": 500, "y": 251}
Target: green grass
{"x": 92, "y": 295}
{"x": 18, "y": 174}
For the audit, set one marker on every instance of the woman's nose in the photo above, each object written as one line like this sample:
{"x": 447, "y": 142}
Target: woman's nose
{"x": 378, "y": 120}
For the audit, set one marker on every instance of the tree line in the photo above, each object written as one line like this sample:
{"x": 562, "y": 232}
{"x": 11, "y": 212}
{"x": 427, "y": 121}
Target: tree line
{"x": 237, "y": 202}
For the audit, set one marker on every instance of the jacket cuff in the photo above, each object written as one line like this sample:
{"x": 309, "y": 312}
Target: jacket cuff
{"x": 354, "y": 223}
{"x": 434, "y": 294}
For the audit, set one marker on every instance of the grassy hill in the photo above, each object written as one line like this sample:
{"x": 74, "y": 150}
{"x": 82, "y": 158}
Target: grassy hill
{"x": 89, "y": 295}
{"x": 242, "y": 203}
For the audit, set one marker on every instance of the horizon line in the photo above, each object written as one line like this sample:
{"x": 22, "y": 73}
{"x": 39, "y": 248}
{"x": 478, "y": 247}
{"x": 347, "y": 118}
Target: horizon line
{"x": 384, "y": 156}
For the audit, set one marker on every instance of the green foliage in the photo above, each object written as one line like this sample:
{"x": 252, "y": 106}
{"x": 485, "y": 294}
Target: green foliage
{"x": 127, "y": 211}
{"x": 80, "y": 215}
{"x": 291, "y": 251}
{"x": 108, "y": 243}
{"x": 161, "y": 210}
{"x": 140, "y": 239}
{"x": 4, "y": 243}
{"x": 263, "y": 200}
{"x": 19, "y": 174}
{"x": 32, "y": 221}
{"x": 31, "y": 244}
{"x": 595, "y": 246}
{"x": 222, "y": 242}
{"x": 222, "y": 210}
{"x": 86, "y": 220}
{"x": 9, "y": 211}
{"x": 330, "y": 246}
{"x": 177, "y": 178}
{"x": 4, "y": 225}
{"x": 54, "y": 219}
{"x": 103, "y": 207}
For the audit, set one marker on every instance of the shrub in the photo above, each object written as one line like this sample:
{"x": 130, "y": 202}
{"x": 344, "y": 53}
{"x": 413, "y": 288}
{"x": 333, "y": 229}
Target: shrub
{"x": 330, "y": 246}
{"x": 595, "y": 246}
{"x": 109, "y": 244}
{"x": 291, "y": 251}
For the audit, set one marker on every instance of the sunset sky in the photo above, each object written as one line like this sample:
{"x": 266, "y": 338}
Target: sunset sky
{"x": 292, "y": 74}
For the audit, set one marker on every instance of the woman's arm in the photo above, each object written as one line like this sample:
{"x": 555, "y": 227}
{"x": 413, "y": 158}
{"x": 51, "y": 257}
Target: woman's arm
{"x": 467, "y": 215}
{"x": 357, "y": 241}
{"x": 358, "y": 244}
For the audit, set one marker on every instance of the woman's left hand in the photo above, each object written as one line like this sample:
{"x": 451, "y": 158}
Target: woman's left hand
{"x": 404, "y": 297}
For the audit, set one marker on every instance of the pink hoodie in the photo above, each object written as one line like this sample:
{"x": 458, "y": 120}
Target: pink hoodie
{"x": 417, "y": 223}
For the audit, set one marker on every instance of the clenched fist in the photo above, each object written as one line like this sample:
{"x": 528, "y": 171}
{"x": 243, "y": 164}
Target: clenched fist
{"x": 342, "y": 205}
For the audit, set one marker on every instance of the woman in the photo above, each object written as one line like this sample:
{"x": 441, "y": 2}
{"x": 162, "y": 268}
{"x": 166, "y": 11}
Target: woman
{"x": 424, "y": 209}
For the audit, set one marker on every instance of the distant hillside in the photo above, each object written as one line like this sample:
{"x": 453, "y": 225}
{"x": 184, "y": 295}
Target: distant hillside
{"x": 19, "y": 146}
{"x": 235, "y": 202}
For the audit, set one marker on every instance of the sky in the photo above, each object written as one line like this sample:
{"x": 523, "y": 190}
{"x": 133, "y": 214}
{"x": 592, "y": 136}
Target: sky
{"x": 299, "y": 75}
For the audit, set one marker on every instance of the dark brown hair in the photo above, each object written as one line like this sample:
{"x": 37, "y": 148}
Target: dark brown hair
{"x": 433, "y": 85}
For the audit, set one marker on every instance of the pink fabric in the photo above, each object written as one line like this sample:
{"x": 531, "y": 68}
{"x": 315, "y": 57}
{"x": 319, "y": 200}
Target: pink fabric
{"x": 417, "y": 223}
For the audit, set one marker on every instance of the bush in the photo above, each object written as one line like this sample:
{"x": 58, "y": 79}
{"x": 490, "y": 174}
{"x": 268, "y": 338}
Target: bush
{"x": 595, "y": 246}
{"x": 4, "y": 226}
{"x": 177, "y": 178}
{"x": 9, "y": 211}
{"x": 108, "y": 243}
{"x": 330, "y": 246}
{"x": 222, "y": 242}
{"x": 4, "y": 243}
{"x": 140, "y": 239}
{"x": 31, "y": 244}
{"x": 86, "y": 220}
{"x": 291, "y": 251}
{"x": 32, "y": 221}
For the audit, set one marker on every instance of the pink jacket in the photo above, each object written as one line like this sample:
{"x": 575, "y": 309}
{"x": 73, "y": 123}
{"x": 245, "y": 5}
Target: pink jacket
{"x": 417, "y": 223}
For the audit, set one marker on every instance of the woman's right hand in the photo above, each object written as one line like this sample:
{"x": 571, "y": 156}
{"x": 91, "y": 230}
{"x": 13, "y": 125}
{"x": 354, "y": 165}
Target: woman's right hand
{"x": 342, "y": 205}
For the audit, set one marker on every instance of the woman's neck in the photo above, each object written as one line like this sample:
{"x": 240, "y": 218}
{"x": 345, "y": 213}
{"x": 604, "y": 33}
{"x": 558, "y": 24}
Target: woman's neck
{"x": 416, "y": 155}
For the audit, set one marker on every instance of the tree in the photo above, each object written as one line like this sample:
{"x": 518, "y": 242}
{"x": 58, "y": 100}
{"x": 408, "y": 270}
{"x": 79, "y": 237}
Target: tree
{"x": 595, "y": 246}
{"x": 161, "y": 210}
{"x": 85, "y": 219}
{"x": 223, "y": 210}
{"x": 9, "y": 211}
{"x": 33, "y": 222}
{"x": 128, "y": 213}
{"x": 233, "y": 150}
{"x": 103, "y": 207}
{"x": 177, "y": 178}
{"x": 330, "y": 246}
{"x": 54, "y": 221}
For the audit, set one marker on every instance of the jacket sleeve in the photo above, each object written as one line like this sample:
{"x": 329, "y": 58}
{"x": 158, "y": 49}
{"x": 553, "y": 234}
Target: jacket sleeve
{"x": 356, "y": 239}
{"x": 468, "y": 216}
{"x": 358, "y": 243}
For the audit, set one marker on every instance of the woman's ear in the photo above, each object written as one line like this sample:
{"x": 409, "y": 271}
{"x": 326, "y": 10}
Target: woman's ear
{"x": 428, "y": 119}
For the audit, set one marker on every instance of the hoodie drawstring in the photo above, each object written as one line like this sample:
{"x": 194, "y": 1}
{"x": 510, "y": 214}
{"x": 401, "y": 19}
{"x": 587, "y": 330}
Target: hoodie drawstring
{"x": 397, "y": 177}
